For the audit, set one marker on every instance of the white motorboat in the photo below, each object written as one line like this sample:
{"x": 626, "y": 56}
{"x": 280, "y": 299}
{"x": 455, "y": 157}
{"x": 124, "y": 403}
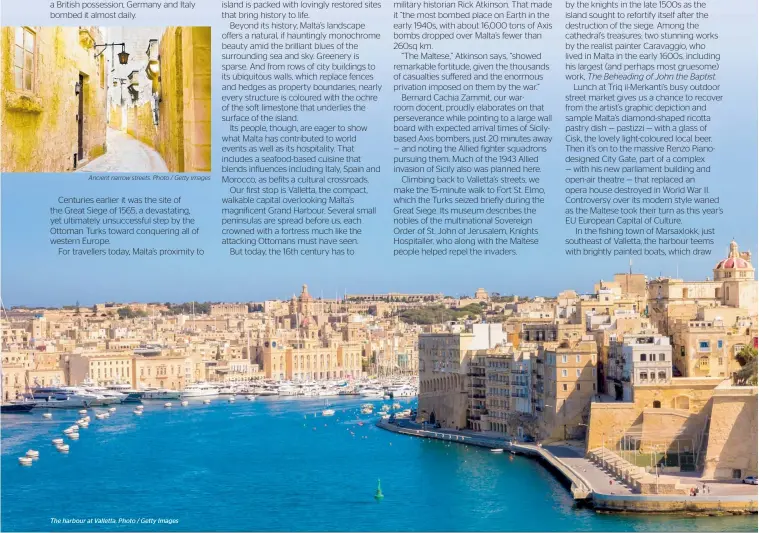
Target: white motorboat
{"x": 63, "y": 448}
{"x": 33, "y": 454}
{"x": 25, "y": 461}
{"x": 56, "y": 442}
{"x": 226, "y": 389}
{"x": 107, "y": 396}
{"x": 199, "y": 390}
{"x": 404, "y": 392}
{"x": 61, "y": 398}
{"x": 167, "y": 405}
{"x": 370, "y": 392}
{"x": 496, "y": 450}
{"x": 160, "y": 394}
{"x": 328, "y": 412}
{"x": 289, "y": 390}
{"x": 185, "y": 403}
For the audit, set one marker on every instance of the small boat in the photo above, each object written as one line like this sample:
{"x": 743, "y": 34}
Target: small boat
{"x": 185, "y": 403}
{"x": 47, "y": 415}
{"x": 250, "y": 397}
{"x": 138, "y": 412}
{"x": 74, "y": 436}
{"x": 328, "y": 412}
{"x": 231, "y": 400}
{"x": 385, "y": 416}
{"x": 56, "y": 442}
{"x": 101, "y": 416}
{"x": 68, "y": 431}
{"x": 25, "y": 461}
{"x": 83, "y": 411}
{"x": 63, "y": 448}
{"x": 496, "y": 450}
{"x": 206, "y": 402}
{"x": 112, "y": 410}
{"x": 34, "y": 454}
{"x": 167, "y": 405}
{"x": 140, "y": 407}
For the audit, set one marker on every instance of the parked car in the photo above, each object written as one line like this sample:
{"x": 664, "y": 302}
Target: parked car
{"x": 750, "y": 480}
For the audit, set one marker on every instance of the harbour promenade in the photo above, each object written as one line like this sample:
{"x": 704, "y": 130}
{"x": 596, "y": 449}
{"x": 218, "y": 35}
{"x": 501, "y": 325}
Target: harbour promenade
{"x": 598, "y": 485}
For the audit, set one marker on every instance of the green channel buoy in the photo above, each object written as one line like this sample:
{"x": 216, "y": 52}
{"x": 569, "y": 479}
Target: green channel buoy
{"x": 378, "y": 495}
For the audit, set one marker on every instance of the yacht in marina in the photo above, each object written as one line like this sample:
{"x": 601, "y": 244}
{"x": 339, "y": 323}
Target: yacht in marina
{"x": 404, "y": 391}
{"x": 200, "y": 389}
{"x": 372, "y": 392}
{"x": 288, "y": 389}
{"x": 61, "y": 398}
{"x": 131, "y": 395}
{"x": 152, "y": 393}
{"x": 265, "y": 391}
{"x": 22, "y": 406}
{"x": 227, "y": 389}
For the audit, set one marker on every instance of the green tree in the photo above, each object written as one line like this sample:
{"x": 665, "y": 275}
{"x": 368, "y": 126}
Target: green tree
{"x": 747, "y": 359}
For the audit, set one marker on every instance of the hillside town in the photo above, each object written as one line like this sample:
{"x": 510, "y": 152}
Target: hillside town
{"x": 663, "y": 365}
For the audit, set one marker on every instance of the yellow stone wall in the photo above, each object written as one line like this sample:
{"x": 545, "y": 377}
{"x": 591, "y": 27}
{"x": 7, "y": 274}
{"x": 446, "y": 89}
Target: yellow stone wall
{"x": 115, "y": 118}
{"x": 39, "y": 128}
{"x": 732, "y": 433}
{"x": 184, "y": 128}
{"x": 140, "y": 124}
{"x": 684, "y": 396}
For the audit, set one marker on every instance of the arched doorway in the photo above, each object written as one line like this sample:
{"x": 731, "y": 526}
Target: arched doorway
{"x": 433, "y": 420}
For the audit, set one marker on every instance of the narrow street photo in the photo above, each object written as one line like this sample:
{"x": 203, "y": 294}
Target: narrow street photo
{"x": 106, "y": 99}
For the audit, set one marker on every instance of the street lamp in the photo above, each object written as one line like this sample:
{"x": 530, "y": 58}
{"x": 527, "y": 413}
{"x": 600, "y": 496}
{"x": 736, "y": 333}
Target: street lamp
{"x": 123, "y": 55}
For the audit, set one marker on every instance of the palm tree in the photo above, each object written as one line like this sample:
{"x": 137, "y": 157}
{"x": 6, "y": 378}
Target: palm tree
{"x": 747, "y": 359}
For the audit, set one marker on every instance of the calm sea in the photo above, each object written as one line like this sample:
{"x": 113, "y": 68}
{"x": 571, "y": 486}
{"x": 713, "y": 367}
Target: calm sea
{"x": 277, "y": 465}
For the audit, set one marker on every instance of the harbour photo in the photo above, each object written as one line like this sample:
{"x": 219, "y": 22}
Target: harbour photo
{"x": 629, "y": 406}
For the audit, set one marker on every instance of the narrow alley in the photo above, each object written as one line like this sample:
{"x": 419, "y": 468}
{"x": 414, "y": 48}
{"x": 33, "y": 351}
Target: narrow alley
{"x": 126, "y": 154}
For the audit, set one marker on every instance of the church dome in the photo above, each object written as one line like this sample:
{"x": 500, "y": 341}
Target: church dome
{"x": 734, "y": 259}
{"x": 733, "y": 262}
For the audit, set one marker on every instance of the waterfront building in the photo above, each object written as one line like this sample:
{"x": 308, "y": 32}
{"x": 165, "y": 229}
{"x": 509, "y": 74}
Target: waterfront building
{"x": 635, "y": 359}
{"x": 569, "y": 385}
{"x": 443, "y": 367}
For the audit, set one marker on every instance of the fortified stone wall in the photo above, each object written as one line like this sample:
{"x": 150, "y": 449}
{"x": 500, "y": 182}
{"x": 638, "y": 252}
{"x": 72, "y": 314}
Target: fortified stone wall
{"x": 732, "y": 433}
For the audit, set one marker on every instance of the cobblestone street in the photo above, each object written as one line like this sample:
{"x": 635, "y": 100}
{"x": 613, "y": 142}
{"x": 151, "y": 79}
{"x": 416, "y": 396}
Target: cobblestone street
{"x": 126, "y": 154}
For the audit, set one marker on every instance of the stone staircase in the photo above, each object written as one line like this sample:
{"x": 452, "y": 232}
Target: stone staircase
{"x": 635, "y": 477}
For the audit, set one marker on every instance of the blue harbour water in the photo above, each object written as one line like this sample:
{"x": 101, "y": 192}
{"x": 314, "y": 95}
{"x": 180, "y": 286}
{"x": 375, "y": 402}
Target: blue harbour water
{"x": 275, "y": 464}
